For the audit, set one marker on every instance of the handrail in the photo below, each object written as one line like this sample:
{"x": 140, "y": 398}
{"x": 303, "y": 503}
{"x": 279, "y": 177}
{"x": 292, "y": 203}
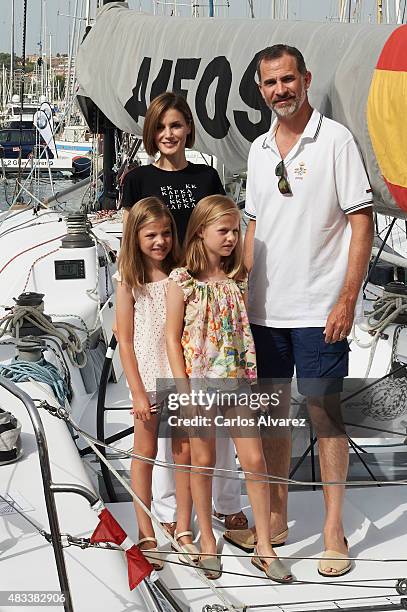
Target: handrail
{"x": 47, "y": 485}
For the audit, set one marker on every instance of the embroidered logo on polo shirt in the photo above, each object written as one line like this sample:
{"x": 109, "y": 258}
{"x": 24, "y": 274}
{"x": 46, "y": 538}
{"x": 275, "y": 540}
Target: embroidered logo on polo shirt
{"x": 300, "y": 171}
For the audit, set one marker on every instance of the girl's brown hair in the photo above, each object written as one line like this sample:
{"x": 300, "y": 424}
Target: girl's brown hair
{"x": 208, "y": 211}
{"x": 131, "y": 264}
{"x": 157, "y": 107}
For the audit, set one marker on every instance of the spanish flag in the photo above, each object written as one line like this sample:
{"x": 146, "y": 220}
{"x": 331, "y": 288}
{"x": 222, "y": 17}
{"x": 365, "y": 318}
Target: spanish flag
{"x": 387, "y": 114}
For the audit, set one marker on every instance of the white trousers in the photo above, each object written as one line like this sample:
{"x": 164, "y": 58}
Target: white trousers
{"x": 225, "y": 491}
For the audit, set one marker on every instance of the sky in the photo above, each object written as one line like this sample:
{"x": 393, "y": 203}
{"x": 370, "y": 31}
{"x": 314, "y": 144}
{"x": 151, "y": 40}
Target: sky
{"x": 59, "y": 16}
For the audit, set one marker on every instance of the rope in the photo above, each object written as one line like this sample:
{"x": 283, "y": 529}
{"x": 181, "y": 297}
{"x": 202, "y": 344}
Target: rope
{"x": 34, "y": 263}
{"x": 386, "y": 309}
{"x": 270, "y": 479}
{"x": 385, "y": 312}
{"x": 30, "y": 249}
{"x": 31, "y": 223}
{"x": 16, "y": 508}
{"x": 345, "y": 583}
{"x": 32, "y": 314}
{"x": 299, "y": 558}
{"x": 41, "y": 371}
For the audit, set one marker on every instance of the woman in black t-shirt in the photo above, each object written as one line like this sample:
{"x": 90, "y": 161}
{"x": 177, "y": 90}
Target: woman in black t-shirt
{"x": 168, "y": 129}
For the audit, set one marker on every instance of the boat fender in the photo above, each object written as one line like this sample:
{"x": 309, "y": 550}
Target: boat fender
{"x": 10, "y": 440}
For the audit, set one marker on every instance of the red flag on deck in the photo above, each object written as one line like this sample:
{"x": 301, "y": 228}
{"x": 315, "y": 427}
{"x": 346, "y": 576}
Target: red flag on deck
{"x": 109, "y": 530}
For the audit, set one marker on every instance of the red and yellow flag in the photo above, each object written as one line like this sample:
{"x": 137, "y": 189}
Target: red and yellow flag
{"x": 387, "y": 114}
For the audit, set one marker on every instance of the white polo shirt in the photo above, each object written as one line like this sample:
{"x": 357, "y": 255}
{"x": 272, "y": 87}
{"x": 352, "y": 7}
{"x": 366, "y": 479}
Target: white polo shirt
{"x": 302, "y": 241}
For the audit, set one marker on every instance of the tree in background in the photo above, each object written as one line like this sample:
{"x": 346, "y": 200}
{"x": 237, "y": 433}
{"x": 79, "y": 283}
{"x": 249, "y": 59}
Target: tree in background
{"x": 5, "y": 59}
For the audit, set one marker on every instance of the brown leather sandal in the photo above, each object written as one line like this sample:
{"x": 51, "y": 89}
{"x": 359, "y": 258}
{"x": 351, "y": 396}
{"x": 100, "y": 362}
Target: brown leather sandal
{"x": 233, "y": 521}
{"x": 246, "y": 539}
{"x": 170, "y": 527}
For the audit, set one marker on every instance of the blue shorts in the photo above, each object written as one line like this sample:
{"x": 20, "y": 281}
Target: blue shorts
{"x": 320, "y": 367}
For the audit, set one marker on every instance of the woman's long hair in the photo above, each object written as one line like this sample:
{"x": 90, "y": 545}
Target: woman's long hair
{"x": 132, "y": 267}
{"x": 208, "y": 211}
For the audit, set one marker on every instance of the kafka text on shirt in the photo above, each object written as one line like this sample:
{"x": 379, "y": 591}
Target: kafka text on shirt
{"x": 179, "y": 198}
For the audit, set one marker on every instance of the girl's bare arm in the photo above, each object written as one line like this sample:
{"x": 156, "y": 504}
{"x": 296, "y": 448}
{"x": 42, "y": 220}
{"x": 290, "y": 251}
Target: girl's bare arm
{"x": 125, "y": 333}
{"x": 174, "y": 328}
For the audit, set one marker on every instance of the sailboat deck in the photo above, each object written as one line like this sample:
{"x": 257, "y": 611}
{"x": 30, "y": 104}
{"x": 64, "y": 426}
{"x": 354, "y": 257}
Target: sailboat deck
{"x": 376, "y": 528}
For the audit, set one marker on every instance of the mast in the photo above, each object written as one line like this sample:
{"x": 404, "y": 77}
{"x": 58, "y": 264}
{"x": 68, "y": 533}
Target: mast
{"x": 40, "y": 58}
{"x": 69, "y": 84}
{"x": 50, "y": 94}
{"x": 12, "y": 51}
{"x": 342, "y": 10}
{"x": 397, "y": 11}
{"x": 388, "y": 11}
{"x": 45, "y": 58}
{"x": 87, "y": 14}
{"x": 109, "y": 162}
{"x": 379, "y": 11}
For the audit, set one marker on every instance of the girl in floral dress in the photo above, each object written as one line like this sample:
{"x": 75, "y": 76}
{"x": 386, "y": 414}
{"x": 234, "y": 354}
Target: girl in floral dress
{"x": 209, "y": 341}
{"x": 148, "y": 253}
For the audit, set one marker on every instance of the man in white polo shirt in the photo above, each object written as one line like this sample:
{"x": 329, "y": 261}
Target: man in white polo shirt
{"x": 307, "y": 245}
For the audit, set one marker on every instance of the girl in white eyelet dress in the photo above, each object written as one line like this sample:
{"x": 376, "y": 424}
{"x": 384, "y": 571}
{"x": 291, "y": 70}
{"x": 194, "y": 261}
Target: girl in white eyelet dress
{"x": 148, "y": 253}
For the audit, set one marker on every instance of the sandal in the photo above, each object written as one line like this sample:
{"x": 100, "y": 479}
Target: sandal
{"x": 190, "y": 549}
{"x": 246, "y": 539}
{"x": 275, "y": 570}
{"x": 152, "y": 554}
{"x": 211, "y": 566}
{"x": 233, "y": 521}
{"x": 335, "y": 560}
{"x": 170, "y": 527}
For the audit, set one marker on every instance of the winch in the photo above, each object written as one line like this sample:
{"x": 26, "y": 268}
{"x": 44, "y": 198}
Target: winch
{"x": 25, "y": 302}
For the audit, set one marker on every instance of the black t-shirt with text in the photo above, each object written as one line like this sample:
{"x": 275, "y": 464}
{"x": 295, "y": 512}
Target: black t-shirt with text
{"x": 180, "y": 190}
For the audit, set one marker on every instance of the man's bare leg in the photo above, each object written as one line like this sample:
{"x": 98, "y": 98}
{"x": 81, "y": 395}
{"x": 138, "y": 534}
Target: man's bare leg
{"x": 334, "y": 461}
{"x": 277, "y": 452}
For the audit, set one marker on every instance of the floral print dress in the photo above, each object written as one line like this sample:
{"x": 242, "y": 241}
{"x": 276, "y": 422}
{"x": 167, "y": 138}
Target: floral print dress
{"x": 217, "y": 340}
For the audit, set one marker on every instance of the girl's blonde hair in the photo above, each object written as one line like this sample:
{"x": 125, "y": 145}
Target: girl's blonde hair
{"x": 208, "y": 211}
{"x": 132, "y": 266}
